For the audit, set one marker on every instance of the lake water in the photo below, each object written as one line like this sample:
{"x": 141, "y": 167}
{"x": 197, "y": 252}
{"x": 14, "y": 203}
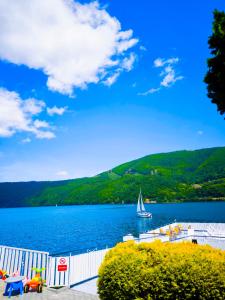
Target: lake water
{"x": 78, "y": 228}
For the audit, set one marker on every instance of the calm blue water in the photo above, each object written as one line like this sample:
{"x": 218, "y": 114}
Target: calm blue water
{"x": 78, "y": 228}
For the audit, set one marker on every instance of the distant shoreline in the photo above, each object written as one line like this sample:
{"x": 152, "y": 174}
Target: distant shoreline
{"x": 172, "y": 177}
{"x": 120, "y": 204}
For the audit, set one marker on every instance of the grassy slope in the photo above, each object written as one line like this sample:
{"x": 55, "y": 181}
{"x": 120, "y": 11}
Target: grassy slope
{"x": 175, "y": 176}
{"x": 14, "y": 194}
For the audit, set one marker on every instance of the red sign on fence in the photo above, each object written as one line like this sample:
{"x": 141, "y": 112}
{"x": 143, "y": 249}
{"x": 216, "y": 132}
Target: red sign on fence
{"x": 62, "y": 265}
{"x": 62, "y": 261}
{"x": 62, "y": 268}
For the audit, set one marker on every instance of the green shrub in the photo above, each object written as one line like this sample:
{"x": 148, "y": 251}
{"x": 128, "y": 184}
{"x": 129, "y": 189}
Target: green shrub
{"x": 162, "y": 271}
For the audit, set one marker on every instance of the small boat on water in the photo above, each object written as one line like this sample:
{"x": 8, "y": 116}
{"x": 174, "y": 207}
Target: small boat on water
{"x": 141, "y": 212}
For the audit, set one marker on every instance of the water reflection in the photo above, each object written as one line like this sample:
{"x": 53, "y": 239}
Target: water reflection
{"x": 144, "y": 224}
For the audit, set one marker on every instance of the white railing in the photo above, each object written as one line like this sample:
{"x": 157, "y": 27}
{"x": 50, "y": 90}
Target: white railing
{"x": 56, "y": 277}
{"x": 85, "y": 265}
{"x": 23, "y": 260}
{"x": 214, "y": 241}
{"x": 79, "y": 268}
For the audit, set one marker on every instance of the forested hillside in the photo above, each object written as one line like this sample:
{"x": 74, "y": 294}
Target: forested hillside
{"x": 166, "y": 177}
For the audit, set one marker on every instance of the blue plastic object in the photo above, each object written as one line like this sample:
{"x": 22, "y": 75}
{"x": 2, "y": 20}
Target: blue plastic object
{"x": 13, "y": 286}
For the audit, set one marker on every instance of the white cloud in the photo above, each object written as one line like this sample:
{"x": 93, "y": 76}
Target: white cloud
{"x": 111, "y": 79}
{"x": 56, "y": 110}
{"x": 168, "y": 73}
{"x": 160, "y": 62}
{"x": 143, "y": 48}
{"x": 26, "y": 141}
{"x": 17, "y": 115}
{"x": 33, "y": 106}
{"x": 150, "y": 91}
{"x": 63, "y": 174}
{"x": 73, "y": 44}
{"x": 172, "y": 60}
{"x": 128, "y": 62}
{"x": 170, "y": 78}
{"x": 41, "y": 124}
{"x": 44, "y": 134}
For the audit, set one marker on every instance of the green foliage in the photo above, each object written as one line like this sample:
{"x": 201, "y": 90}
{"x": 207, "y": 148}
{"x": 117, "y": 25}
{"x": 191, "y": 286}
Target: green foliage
{"x": 38, "y": 270}
{"x": 14, "y": 194}
{"x": 162, "y": 271}
{"x": 164, "y": 177}
{"x": 215, "y": 77}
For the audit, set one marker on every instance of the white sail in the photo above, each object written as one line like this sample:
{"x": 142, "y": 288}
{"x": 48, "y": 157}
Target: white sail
{"x": 142, "y": 205}
{"x": 139, "y": 203}
{"x": 141, "y": 212}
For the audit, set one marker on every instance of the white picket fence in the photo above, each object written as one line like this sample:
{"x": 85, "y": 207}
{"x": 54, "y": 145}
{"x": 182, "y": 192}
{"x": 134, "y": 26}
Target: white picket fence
{"x": 80, "y": 267}
{"x": 23, "y": 260}
{"x": 85, "y": 265}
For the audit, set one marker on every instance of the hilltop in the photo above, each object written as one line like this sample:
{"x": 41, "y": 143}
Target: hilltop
{"x": 179, "y": 176}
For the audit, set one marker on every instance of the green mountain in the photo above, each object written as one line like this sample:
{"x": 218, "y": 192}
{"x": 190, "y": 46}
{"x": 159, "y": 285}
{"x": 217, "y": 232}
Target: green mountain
{"x": 166, "y": 177}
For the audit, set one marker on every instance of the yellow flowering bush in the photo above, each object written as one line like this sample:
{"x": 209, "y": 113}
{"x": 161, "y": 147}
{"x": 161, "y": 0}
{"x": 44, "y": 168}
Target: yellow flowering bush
{"x": 175, "y": 271}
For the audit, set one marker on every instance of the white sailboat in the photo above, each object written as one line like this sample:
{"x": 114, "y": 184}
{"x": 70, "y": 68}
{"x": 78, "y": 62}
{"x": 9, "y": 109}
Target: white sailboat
{"x": 141, "y": 212}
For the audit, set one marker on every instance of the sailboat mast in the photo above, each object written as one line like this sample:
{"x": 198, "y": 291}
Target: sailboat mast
{"x": 139, "y": 203}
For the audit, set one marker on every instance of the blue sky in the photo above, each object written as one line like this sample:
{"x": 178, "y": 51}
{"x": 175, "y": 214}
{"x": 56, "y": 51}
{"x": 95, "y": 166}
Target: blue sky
{"x": 87, "y": 86}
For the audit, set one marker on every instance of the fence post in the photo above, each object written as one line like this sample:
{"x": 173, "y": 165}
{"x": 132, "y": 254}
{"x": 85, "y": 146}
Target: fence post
{"x": 22, "y": 263}
{"x": 47, "y": 270}
{"x": 69, "y": 269}
{"x": 2, "y": 256}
